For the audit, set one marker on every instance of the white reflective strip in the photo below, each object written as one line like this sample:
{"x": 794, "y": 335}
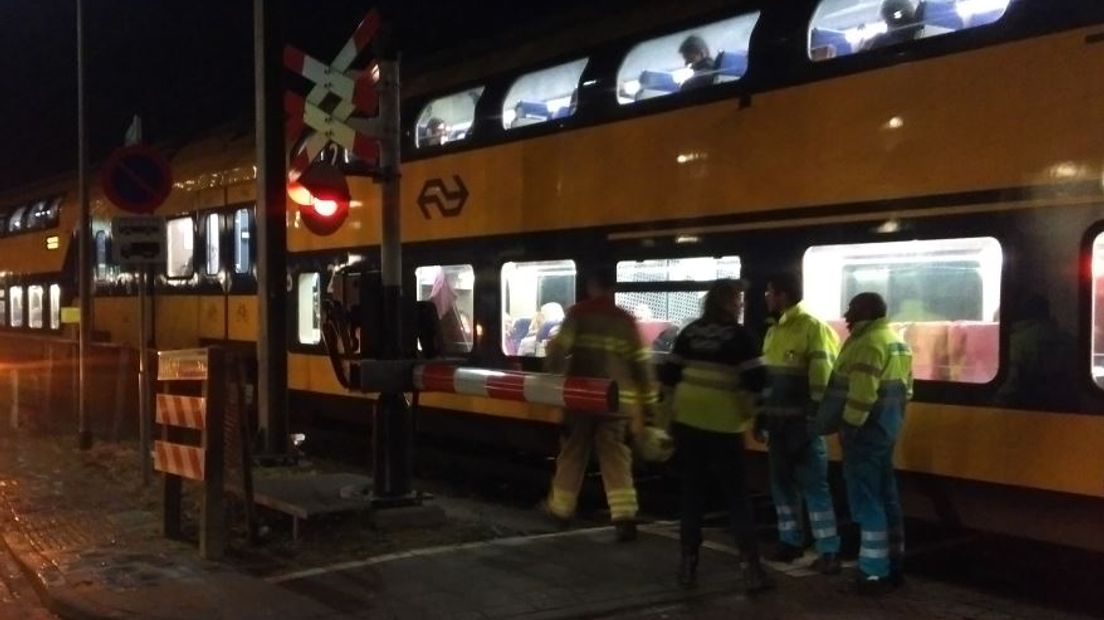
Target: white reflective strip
{"x": 787, "y": 526}
{"x": 873, "y": 554}
{"x": 471, "y": 381}
{"x": 545, "y": 389}
{"x": 827, "y": 532}
{"x": 752, "y": 363}
{"x": 824, "y": 515}
{"x": 875, "y": 536}
{"x": 784, "y": 510}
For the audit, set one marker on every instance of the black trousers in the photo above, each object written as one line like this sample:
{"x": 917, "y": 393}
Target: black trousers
{"x": 703, "y": 454}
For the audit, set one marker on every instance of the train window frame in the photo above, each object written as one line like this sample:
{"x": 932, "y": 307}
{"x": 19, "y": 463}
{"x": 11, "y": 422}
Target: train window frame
{"x": 825, "y": 36}
{"x": 187, "y": 269}
{"x": 694, "y": 280}
{"x": 15, "y": 306}
{"x": 3, "y": 306}
{"x": 463, "y": 274}
{"x": 530, "y": 84}
{"x": 243, "y": 240}
{"x": 55, "y": 306}
{"x": 450, "y": 122}
{"x": 936, "y": 338}
{"x": 308, "y": 328}
{"x": 212, "y": 233}
{"x": 538, "y": 308}
{"x": 641, "y": 64}
{"x": 36, "y": 300}
{"x": 1095, "y": 269}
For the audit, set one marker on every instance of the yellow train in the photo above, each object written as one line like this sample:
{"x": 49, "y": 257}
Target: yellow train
{"x": 950, "y": 157}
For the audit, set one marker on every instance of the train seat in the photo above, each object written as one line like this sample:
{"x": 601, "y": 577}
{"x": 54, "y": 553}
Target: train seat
{"x": 655, "y": 84}
{"x": 530, "y": 113}
{"x": 730, "y": 66}
{"x": 940, "y": 14}
{"x": 930, "y": 344}
{"x": 825, "y": 43}
{"x": 561, "y": 112}
{"x": 974, "y": 351}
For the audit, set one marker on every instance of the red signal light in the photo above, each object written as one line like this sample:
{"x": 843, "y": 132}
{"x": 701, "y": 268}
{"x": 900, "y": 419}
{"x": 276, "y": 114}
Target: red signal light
{"x": 323, "y": 198}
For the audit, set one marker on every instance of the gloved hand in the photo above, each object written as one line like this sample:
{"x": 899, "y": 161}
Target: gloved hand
{"x": 653, "y": 445}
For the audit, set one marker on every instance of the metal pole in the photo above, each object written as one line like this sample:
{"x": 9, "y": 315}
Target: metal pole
{"x": 271, "y": 226}
{"x": 144, "y": 421}
{"x": 393, "y": 429}
{"x": 84, "y": 266}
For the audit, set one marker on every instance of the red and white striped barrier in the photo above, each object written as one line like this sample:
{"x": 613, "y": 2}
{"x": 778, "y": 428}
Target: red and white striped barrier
{"x": 178, "y": 460}
{"x": 572, "y": 393}
{"x": 184, "y": 411}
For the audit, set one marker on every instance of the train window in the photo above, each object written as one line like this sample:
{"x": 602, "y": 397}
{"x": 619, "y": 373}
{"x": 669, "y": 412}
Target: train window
{"x": 242, "y": 241}
{"x": 711, "y": 54}
{"x": 448, "y": 119}
{"x": 666, "y": 294}
{"x": 213, "y": 230}
{"x": 843, "y": 27}
{"x": 55, "y": 306}
{"x": 3, "y": 306}
{"x": 103, "y": 270}
{"x": 15, "y": 222}
{"x": 450, "y": 288}
{"x": 181, "y": 247}
{"x": 943, "y": 297}
{"x": 310, "y": 308}
{"x": 16, "y": 295}
{"x": 544, "y": 95}
{"x": 35, "y": 300}
{"x": 1098, "y": 310}
{"x": 534, "y": 298}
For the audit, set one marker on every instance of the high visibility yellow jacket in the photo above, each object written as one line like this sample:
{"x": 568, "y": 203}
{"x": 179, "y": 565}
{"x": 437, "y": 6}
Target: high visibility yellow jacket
{"x": 718, "y": 375}
{"x": 799, "y": 351}
{"x": 598, "y": 339}
{"x": 871, "y": 383}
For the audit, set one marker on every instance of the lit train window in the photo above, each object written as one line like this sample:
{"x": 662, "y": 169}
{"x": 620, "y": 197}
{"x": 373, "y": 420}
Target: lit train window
{"x": 686, "y": 60}
{"x": 535, "y": 296}
{"x": 3, "y": 306}
{"x": 213, "y": 229}
{"x": 665, "y": 294}
{"x": 1098, "y": 310}
{"x": 544, "y": 95}
{"x": 448, "y": 119}
{"x": 843, "y": 27}
{"x": 943, "y": 297}
{"x": 181, "y": 247}
{"x": 103, "y": 268}
{"x": 35, "y": 295}
{"x": 451, "y": 289}
{"x": 16, "y": 295}
{"x": 243, "y": 263}
{"x": 55, "y": 306}
{"x": 309, "y": 306}
{"x": 15, "y": 223}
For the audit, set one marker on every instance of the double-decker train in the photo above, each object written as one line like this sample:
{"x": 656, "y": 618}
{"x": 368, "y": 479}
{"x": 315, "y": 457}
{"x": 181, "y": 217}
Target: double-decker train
{"x": 949, "y": 156}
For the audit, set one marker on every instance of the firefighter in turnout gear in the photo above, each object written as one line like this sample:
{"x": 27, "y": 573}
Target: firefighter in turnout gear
{"x": 799, "y": 351}
{"x": 598, "y": 339}
{"x": 718, "y": 375}
{"x": 865, "y": 403}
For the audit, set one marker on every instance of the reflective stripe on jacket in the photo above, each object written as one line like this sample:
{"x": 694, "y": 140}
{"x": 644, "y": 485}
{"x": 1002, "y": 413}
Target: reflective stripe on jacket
{"x": 872, "y": 381}
{"x": 717, "y": 374}
{"x": 799, "y": 351}
{"x": 598, "y": 339}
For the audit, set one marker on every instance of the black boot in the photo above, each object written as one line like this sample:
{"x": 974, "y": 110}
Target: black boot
{"x": 688, "y": 567}
{"x": 756, "y": 579}
{"x": 626, "y": 530}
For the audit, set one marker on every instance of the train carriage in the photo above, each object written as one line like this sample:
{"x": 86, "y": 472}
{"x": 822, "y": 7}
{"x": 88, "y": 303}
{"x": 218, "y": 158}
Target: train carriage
{"x": 953, "y": 162}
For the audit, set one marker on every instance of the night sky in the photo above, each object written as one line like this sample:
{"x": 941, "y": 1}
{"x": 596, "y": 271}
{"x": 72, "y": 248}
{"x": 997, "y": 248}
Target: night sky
{"x": 186, "y": 65}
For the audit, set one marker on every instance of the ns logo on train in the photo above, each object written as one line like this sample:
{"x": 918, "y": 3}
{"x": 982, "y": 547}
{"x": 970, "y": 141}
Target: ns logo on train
{"x": 446, "y": 199}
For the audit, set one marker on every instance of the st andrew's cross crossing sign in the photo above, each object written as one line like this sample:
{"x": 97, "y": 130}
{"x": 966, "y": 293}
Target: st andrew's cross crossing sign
{"x": 136, "y": 179}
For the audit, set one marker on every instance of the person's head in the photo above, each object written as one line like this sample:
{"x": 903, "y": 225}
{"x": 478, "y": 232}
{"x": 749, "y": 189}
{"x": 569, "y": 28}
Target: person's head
{"x": 694, "y": 49}
{"x": 435, "y": 131}
{"x": 783, "y": 292}
{"x": 864, "y": 307}
{"x": 724, "y": 301}
{"x": 600, "y": 283}
{"x": 898, "y": 13}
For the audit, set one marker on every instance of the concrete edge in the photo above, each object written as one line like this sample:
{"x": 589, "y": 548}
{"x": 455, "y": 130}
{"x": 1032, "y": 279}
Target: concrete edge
{"x": 34, "y": 566}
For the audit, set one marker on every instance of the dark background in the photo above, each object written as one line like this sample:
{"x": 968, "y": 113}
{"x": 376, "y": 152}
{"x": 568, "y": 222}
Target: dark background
{"x": 187, "y": 65}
